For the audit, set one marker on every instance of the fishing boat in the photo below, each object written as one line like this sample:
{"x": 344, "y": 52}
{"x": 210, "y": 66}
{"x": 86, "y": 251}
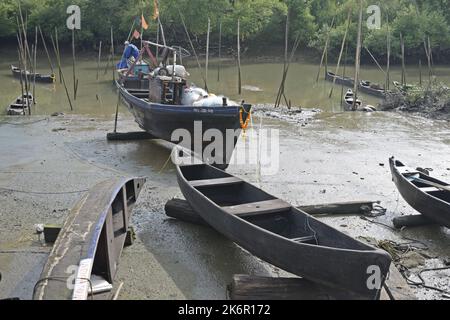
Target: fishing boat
{"x": 21, "y": 105}
{"x": 165, "y": 106}
{"x": 85, "y": 257}
{"x": 365, "y": 86}
{"x": 427, "y": 195}
{"x": 349, "y": 100}
{"x": 44, "y": 78}
{"x": 278, "y": 233}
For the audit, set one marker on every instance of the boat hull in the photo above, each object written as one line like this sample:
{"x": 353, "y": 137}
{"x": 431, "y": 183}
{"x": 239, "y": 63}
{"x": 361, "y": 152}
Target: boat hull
{"x": 348, "y": 82}
{"x": 17, "y": 73}
{"x": 92, "y": 239}
{"x": 339, "y": 268}
{"x": 431, "y": 207}
{"x": 168, "y": 122}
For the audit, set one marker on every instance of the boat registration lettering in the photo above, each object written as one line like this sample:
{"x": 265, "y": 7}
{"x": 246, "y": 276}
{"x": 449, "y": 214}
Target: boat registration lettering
{"x": 203, "y": 110}
{"x": 82, "y": 281}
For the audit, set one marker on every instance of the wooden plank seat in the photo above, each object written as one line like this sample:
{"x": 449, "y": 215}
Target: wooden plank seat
{"x": 307, "y": 239}
{"x": 215, "y": 182}
{"x": 429, "y": 189}
{"x": 257, "y": 208}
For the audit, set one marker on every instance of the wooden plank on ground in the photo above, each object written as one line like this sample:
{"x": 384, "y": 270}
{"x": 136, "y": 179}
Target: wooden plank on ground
{"x": 245, "y": 287}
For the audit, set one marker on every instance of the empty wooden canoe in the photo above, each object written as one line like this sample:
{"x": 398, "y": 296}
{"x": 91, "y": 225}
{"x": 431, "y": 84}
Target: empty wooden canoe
{"x": 90, "y": 243}
{"x": 280, "y": 234}
{"x": 427, "y": 195}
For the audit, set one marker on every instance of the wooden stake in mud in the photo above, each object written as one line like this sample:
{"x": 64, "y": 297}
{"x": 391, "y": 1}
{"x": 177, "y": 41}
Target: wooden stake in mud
{"x": 34, "y": 66}
{"x": 58, "y": 56}
{"x": 358, "y": 58}
{"x": 325, "y": 50}
{"x": 99, "y": 58}
{"x": 344, "y": 40}
{"x": 239, "y": 56}
{"x": 46, "y": 50}
{"x": 402, "y": 44}
{"x": 21, "y": 75}
{"x": 113, "y": 55}
{"x": 75, "y": 80}
{"x": 430, "y": 52}
{"x": 420, "y": 72}
{"x": 56, "y": 50}
{"x": 220, "y": 52}
{"x": 388, "y": 66}
{"x": 207, "y": 50}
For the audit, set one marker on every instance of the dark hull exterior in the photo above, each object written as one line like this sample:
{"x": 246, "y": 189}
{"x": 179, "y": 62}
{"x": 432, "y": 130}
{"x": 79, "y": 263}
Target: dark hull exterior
{"x": 162, "y": 120}
{"x": 349, "y": 82}
{"x": 39, "y": 77}
{"x": 434, "y": 205}
{"x": 340, "y": 262}
{"x": 94, "y": 235}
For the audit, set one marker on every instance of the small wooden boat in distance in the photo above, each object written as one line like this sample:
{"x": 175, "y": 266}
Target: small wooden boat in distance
{"x": 43, "y": 78}
{"x": 280, "y": 234}
{"x": 427, "y": 195}
{"x": 85, "y": 256}
{"x": 20, "y": 106}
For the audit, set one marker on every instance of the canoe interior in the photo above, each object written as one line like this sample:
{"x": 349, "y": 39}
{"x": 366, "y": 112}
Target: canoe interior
{"x": 411, "y": 174}
{"x": 285, "y": 221}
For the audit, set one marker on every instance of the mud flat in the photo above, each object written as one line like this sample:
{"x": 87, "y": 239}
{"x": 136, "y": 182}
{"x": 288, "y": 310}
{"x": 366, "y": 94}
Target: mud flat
{"x": 47, "y": 163}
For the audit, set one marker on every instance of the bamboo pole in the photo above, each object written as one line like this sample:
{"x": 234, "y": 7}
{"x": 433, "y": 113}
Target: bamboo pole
{"x": 207, "y": 50}
{"x": 75, "y": 80}
{"x": 344, "y": 40}
{"x": 420, "y": 72}
{"x": 220, "y": 52}
{"x": 56, "y": 49}
{"x": 388, "y": 65}
{"x": 402, "y": 44}
{"x": 239, "y": 56}
{"x": 113, "y": 58}
{"x": 344, "y": 73}
{"x": 358, "y": 58}
{"x": 430, "y": 51}
{"x": 283, "y": 81}
{"x": 99, "y": 58}
{"x": 21, "y": 75}
{"x": 375, "y": 60}
{"x": 58, "y": 56}
{"x": 192, "y": 47}
{"x": 24, "y": 46}
{"x": 35, "y": 52}
{"x": 325, "y": 50}
{"x": 46, "y": 50}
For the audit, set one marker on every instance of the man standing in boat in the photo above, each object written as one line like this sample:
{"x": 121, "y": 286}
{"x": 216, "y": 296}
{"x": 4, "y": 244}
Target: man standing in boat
{"x": 130, "y": 52}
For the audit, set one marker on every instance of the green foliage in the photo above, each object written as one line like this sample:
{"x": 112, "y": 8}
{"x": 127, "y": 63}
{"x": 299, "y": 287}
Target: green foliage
{"x": 262, "y": 21}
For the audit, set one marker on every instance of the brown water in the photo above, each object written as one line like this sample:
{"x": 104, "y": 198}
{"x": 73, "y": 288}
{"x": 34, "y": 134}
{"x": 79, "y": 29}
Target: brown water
{"x": 260, "y": 84}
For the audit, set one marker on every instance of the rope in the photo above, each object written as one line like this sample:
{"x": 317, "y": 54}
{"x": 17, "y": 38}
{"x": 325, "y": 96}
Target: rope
{"x": 422, "y": 283}
{"x": 62, "y": 279}
{"x": 41, "y": 193}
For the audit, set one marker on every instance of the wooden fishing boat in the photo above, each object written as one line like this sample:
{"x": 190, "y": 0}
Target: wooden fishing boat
{"x": 365, "y": 86}
{"x": 349, "y": 99}
{"x": 427, "y": 195}
{"x": 161, "y": 110}
{"x": 85, "y": 256}
{"x": 43, "y": 78}
{"x": 278, "y": 233}
{"x": 20, "y": 106}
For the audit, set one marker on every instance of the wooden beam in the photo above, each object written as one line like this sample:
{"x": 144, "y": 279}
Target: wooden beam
{"x": 128, "y": 136}
{"x": 411, "y": 221}
{"x": 181, "y": 210}
{"x": 245, "y": 287}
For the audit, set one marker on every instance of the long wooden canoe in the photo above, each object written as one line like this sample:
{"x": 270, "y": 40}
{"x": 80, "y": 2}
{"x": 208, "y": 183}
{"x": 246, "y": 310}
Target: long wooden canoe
{"x": 280, "y": 234}
{"x": 427, "y": 195}
{"x": 90, "y": 243}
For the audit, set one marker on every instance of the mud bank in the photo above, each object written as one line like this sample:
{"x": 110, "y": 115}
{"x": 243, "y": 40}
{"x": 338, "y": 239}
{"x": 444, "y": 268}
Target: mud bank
{"x": 46, "y": 164}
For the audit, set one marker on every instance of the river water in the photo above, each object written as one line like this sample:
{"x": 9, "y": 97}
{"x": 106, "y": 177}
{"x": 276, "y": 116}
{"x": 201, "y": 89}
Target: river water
{"x": 260, "y": 84}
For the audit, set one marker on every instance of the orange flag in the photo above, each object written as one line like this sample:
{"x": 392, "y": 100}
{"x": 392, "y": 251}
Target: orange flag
{"x": 144, "y": 23}
{"x": 155, "y": 10}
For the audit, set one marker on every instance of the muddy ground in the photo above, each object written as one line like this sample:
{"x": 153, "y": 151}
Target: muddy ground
{"x": 47, "y": 163}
